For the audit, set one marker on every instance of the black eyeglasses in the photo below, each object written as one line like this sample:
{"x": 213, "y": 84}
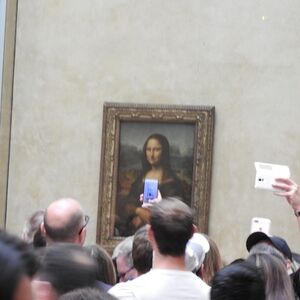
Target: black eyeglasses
{"x": 86, "y": 220}
{"x": 122, "y": 276}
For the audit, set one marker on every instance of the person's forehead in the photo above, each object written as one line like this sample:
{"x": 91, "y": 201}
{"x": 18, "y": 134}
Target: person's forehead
{"x": 265, "y": 242}
{"x": 154, "y": 141}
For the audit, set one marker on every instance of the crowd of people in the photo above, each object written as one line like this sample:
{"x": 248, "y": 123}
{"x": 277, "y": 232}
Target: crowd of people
{"x": 165, "y": 259}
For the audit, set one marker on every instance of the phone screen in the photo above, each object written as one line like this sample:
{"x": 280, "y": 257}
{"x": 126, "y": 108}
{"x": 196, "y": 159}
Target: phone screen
{"x": 150, "y": 189}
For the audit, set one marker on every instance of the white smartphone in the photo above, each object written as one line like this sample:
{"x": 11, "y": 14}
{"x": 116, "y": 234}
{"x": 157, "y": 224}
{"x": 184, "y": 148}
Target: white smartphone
{"x": 261, "y": 224}
{"x": 266, "y": 174}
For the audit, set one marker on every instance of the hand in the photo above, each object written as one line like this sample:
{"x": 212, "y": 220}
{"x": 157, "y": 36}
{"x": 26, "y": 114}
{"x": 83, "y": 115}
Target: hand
{"x": 290, "y": 190}
{"x": 150, "y": 201}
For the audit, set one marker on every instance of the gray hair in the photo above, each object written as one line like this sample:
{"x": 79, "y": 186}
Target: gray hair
{"x": 278, "y": 283}
{"x": 124, "y": 249}
{"x": 32, "y": 225}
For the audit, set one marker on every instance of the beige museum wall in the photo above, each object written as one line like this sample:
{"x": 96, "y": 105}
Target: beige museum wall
{"x": 240, "y": 56}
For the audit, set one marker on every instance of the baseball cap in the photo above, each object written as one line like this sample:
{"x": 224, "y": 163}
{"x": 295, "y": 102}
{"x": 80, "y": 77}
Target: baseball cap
{"x": 195, "y": 251}
{"x": 279, "y": 243}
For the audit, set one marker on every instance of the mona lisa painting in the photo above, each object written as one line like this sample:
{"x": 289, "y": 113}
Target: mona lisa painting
{"x": 172, "y": 144}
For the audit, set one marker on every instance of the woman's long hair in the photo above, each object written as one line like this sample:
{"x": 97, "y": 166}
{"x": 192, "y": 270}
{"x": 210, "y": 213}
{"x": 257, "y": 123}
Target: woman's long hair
{"x": 278, "y": 283}
{"x": 212, "y": 261}
{"x": 165, "y": 156}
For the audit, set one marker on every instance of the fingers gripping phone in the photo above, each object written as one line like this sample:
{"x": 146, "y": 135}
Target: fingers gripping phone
{"x": 150, "y": 189}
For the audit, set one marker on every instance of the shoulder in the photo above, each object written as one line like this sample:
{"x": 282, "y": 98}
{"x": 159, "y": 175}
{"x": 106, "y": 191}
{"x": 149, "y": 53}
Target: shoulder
{"x": 182, "y": 277}
{"x": 122, "y": 290}
{"x": 130, "y": 289}
{"x": 195, "y": 284}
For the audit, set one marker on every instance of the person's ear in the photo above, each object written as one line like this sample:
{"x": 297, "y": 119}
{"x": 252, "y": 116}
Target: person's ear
{"x": 151, "y": 238}
{"x": 82, "y": 236}
{"x": 150, "y": 235}
{"x": 288, "y": 264}
{"x": 195, "y": 229}
{"x": 201, "y": 271}
{"x": 43, "y": 290}
{"x": 43, "y": 230}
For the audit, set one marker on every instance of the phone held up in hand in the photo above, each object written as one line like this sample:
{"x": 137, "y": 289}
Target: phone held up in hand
{"x": 261, "y": 224}
{"x": 150, "y": 189}
{"x": 267, "y": 173}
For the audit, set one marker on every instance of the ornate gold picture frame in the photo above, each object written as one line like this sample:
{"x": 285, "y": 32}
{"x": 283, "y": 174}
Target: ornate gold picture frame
{"x": 184, "y": 135}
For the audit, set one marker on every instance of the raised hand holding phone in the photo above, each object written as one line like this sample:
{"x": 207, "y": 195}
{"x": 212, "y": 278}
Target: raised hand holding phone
{"x": 290, "y": 190}
{"x": 150, "y": 189}
{"x": 266, "y": 174}
{"x": 151, "y": 193}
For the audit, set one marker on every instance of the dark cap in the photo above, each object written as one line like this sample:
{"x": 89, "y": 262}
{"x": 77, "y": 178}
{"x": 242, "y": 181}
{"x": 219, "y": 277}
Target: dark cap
{"x": 279, "y": 243}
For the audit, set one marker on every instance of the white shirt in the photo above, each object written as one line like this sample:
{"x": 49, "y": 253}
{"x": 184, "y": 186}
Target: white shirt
{"x": 163, "y": 284}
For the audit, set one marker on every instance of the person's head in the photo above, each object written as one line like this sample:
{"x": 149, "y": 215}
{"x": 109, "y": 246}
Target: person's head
{"x": 122, "y": 255}
{"x": 277, "y": 242}
{"x": 15, "y": 284}
{"x": 267, "y": 249}
{"x": 142, "y": 251}
{"x": 64, "y": 221}
{"x": 238, "y": 281}
{"x": 87, "y": 294}
{"x": 106, "y": 270}
{"x": 212, "y": 262}
{"x": 156, "y": 152}
{"x": 29, "y": 261}
{"x": 277, "y": 282}
{"x": 32, "y": 226}
{"x": 65, "y": 267}
{"x": 171, "y": 226}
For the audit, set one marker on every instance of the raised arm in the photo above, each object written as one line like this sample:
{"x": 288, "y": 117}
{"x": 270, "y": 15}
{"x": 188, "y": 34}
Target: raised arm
{"x": 290, "y": 190}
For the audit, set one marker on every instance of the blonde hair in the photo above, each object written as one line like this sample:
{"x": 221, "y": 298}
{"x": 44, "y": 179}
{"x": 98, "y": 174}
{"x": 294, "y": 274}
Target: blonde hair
{"x": 212, "y": 262}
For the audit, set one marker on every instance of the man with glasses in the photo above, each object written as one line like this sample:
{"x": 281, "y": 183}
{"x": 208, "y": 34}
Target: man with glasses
{"x": 122, "y": 257}
{"x": 64, "y": 221}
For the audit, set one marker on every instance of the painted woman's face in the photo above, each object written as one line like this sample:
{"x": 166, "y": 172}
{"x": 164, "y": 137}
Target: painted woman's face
{"x": 153, "y": 152}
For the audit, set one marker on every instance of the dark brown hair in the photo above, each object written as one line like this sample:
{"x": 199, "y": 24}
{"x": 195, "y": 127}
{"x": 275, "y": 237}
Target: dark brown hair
{"x": 172, "y": 223}
{"x": 142, "y": 251}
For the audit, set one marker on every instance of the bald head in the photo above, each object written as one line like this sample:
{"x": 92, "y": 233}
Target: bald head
{"x": 63, "y": 221}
